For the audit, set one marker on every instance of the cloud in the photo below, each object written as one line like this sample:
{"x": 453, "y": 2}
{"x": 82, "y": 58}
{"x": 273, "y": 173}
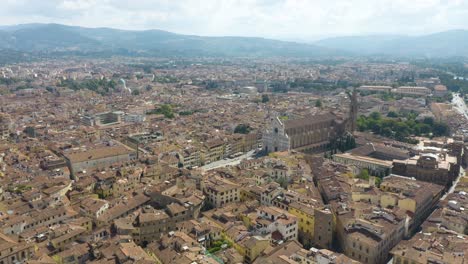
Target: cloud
{"x": 268, "y": 18}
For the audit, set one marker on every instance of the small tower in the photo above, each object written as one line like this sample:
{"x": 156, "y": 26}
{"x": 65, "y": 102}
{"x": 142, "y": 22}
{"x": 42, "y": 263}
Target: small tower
{"x": 353, "y": 113}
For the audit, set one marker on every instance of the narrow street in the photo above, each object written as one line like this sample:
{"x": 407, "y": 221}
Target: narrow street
{"x": 462, "y": 173}
{"x": 459, "y": 104}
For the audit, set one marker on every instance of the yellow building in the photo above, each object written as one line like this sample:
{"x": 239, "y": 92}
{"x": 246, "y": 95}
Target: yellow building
{"x": 250, "y": 247}
{"x": 305, "y": 216}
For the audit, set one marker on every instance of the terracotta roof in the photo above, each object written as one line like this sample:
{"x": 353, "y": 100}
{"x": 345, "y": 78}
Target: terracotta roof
{"x": 310, "y": 120}
{"x": 98, "y": 153}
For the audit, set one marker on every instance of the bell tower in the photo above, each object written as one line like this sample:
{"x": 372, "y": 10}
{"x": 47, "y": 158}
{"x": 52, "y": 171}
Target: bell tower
{"x": 353, "y": 111}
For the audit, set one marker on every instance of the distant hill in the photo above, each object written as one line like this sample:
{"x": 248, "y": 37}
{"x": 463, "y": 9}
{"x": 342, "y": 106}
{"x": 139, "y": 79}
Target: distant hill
{"x": 55, "y": 38}
{"x": 452, "y": 43}
{"x": 46, "y": 40}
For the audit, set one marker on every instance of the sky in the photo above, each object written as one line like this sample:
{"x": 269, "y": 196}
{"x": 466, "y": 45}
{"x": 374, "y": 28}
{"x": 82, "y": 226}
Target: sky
{"x": 280, "y": 19}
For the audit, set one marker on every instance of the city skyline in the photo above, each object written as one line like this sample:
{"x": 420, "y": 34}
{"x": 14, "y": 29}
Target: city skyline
{"x": 233, "y": 131}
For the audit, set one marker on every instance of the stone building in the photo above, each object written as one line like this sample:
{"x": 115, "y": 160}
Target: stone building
{"x": 324, "y": 228}
{"x": 220, "y": 191}
{"x": 412, "y": 90}
{"x": 308, "y": 134}
{"x": 375, "y": 88}
{"x": 440, "y": 169}
{"x": 278, "y": 222}
{"x": 370, "y": 238}
{"x": 14, "y": 251}
{"x": 5, "y": 126}
{"x": 436, "y": 247}
{"x": 375, "y": 167}
{"x": 312, "y": 133}
{"x": 440, "y": 90}
{"x": 98, "y": 158}
{"x": 416, "y": 197}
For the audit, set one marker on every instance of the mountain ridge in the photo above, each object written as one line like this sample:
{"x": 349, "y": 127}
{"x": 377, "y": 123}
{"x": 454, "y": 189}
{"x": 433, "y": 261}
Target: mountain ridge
{"x": 451, "y": 43}
{"x": 56, "y": 37}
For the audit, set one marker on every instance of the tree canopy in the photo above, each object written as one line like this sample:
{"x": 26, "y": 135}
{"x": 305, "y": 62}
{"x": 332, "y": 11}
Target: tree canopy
{"x": 364, "y": 174}
{"x": 100, "y": 86}
{"x": 318, "y": 103}
{"x": 401, "y": 126}
{"x": 242, "y": 129}
{"x": 454, "y": 84}
{"x": 165, "y": 109}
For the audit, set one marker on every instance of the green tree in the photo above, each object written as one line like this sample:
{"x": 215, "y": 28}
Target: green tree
{"x": 429, "y": 121}
{"x": 100, "y": 86}
{"x": 440, "y": 129}
{"x": 211, "y": 85}
{"x": 185, "y": 113}
{"x": 318, "y": 103}
{"x": 378, "y": 181}
{"x": 242, "y": 129}
{"x": 50, "y": 89}
{"x": 283, "y": 182}
{"x": 375, "y": 115}
{"x": 165, "y": 109}
{"x": 403, "y": 127}
{"x": 265, "y": 98}
{"x": 364, "y": 174}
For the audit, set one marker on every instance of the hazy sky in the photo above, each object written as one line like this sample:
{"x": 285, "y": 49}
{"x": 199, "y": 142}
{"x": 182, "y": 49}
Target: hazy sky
{"x": 285, "y": 19}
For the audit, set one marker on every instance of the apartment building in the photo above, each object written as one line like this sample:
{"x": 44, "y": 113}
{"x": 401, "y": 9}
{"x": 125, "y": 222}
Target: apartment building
{"x": 370, "y": 238}
{"x": 414, "y": 196}
{"x": 441, "y": 169}
{"x": 213, "y": 151}
{"x": 98, "y": 158}
{"x": 273, "y": 220}
{"x": 220, "y": 191}
{"x": 13, "y": 251}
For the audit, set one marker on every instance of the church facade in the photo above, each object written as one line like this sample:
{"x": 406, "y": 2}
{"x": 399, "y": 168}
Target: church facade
{"x": 310, "y": 134}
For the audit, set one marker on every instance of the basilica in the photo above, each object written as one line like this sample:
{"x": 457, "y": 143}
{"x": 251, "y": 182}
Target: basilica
{"x": 309, "y": 134}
